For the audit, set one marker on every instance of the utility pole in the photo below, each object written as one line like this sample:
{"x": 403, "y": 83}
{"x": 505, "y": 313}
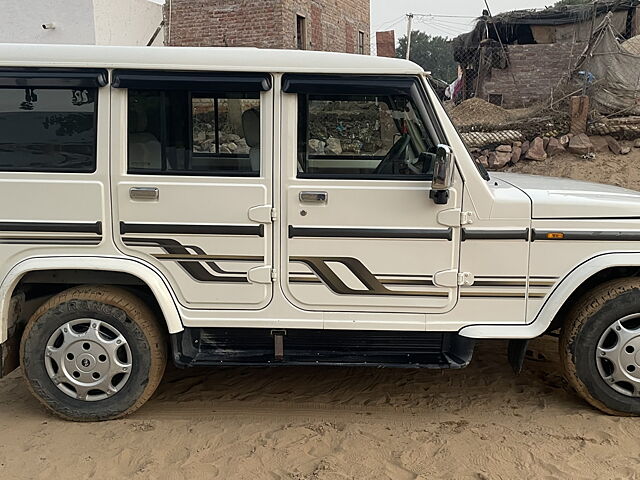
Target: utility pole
{"x": 409, "y": 26}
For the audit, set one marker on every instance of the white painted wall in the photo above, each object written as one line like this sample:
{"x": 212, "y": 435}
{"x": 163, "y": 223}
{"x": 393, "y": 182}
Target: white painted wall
{"x": 21, "y": 21}
{"x": 80, "y": 22}
{"x": 127, "y": 22}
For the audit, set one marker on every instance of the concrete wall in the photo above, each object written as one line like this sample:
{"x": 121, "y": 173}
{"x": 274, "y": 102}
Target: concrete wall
{"x": 127, "y": 22}
{"x": 331, "y": 25}
{"x": 80, "y": 22}
{"x": 21, "y": 21}
{"x": 537, "y": 70}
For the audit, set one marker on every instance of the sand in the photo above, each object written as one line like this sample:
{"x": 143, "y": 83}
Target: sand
{"x": 619, "y": 170}
{"x": 307, "y": 423}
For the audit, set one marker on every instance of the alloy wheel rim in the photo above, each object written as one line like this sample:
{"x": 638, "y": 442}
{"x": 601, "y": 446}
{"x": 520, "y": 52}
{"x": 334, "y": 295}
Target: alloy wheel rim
{"x": 88, "y": 359}
{"x": 618, "y": 355}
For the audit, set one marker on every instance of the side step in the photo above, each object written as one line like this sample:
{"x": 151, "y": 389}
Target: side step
{"x": 252, "y": 346}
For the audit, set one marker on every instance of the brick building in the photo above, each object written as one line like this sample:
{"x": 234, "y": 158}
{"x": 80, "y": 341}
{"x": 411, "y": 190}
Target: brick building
{"x": 518, "y": 58}
{"x": 331, "y": 25}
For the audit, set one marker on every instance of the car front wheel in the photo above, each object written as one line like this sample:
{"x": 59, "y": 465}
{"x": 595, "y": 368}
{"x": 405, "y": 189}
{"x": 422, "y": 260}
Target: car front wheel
{"x": 600, "y": 347}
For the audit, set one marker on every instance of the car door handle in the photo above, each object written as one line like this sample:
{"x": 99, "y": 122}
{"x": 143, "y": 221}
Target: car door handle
{"x": 314, "y": 197}
{"x": 144, "y": 193}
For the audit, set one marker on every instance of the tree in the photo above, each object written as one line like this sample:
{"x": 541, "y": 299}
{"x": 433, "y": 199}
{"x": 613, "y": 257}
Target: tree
{"x": 434, "y": 54}
{"x": 562, "y": 3}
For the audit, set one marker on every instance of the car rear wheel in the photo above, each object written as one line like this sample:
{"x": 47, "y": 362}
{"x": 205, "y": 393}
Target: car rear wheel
{"x": 600, "y": 347}
{"x": 93, "y": 353}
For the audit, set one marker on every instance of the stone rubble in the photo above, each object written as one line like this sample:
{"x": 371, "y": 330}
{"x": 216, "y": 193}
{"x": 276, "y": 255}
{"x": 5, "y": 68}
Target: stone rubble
{"x": 541, "y": 149}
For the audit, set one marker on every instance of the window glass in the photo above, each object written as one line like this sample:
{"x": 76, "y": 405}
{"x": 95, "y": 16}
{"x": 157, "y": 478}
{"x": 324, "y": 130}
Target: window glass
{"x": 369, "y": 136}
{"x": 194, "y": 133}
{"x": 48, "y": 130}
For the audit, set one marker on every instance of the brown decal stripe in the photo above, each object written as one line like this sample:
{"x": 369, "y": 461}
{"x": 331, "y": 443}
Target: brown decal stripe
{"x": 501, "y": 295}
{"x": 373, "y": 285}
{"x": 193, "y": 264}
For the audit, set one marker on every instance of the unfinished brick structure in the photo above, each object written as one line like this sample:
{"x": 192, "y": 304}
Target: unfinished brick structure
{"x": 535, "y": 71}
{"x": 331, "y": 25}
{"x": 518, "y": 58}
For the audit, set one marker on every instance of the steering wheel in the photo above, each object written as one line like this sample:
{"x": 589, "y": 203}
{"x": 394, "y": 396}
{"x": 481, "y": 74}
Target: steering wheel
{"x": 386, "y": 165}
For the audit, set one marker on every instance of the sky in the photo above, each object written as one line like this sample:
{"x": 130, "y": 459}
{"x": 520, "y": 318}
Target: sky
{"x": 450, "y": 17}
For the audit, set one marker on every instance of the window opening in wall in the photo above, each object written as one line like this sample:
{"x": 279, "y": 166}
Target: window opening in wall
{"x": 361, "y": 43}
{"x": 301, "y": 32}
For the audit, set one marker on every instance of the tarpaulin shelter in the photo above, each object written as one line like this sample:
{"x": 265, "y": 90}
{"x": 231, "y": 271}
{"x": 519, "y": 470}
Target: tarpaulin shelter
{"x": 615, "y": 73}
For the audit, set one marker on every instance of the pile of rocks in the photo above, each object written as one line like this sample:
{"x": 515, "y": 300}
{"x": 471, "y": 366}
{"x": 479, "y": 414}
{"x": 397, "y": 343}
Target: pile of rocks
{"x": 542, "y": 148}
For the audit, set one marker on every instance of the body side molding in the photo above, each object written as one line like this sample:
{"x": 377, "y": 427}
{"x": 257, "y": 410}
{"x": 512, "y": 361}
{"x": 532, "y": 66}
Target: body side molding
{"x": 556, "y": 299}
{"x": 147, "y": 273}
{"x": 329, "y": 232}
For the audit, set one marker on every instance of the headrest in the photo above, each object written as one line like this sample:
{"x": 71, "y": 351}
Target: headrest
{"x": 138, "y": 120}
{"x": 251, "y": 127}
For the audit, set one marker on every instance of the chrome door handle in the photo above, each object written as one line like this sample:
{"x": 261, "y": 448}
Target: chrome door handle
{"x": 314, "y": 197}
{"x": 144, "y": 193}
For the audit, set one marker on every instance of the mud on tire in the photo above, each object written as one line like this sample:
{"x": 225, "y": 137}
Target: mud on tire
{"x": 121, "y": 317}
{"x": 581, "y": 343}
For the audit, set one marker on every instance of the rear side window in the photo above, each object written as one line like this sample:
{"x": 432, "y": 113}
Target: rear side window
{"x": 48, "y": 129}
{"x": 181, "y": 132}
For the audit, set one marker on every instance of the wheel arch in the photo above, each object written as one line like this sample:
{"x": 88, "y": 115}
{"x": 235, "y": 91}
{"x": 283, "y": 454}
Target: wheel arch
{"x": 147, "y": 275}
{"x": 582, "y": 278}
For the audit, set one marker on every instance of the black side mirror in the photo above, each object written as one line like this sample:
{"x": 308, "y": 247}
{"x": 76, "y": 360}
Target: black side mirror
{"x": 442, "y": 175}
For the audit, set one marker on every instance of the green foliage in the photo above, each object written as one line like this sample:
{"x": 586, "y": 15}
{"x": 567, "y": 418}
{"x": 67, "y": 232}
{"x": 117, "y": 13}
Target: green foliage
{"x": 434, "y": 54}
{"x": 562, "y": 3}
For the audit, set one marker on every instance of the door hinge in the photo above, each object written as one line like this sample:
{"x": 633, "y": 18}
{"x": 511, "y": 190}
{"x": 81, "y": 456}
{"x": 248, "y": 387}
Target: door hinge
{"x": 452, "y": 279}
{"x": 454, "y": 217}
{"x": 465, "y": 279}
{"x": 274, "y": 214}
{"x": 262, "y": 274}
{"x": 274, "y": 275}
{"x": 466, "y": 218}
{"x": 261, "y": 214}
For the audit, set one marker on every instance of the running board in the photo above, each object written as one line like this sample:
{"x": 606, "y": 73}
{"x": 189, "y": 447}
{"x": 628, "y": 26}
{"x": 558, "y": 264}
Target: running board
{"x": 251, "y": 346}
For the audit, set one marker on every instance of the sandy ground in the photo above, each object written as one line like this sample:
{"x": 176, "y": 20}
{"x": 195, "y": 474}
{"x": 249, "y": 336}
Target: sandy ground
{"x": 482, "y": 422}
{"x": 620, "y": 170}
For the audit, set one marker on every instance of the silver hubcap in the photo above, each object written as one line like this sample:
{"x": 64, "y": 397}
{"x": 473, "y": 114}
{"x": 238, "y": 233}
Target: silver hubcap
{"x": 88, "y": 359}
{"x": 618, "y": 356}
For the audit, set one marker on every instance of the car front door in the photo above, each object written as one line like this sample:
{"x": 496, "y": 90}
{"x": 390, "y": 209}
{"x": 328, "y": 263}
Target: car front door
{"x": 360, "y": 231}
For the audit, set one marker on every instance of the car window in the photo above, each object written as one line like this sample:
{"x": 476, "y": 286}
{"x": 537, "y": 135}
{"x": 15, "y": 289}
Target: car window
{"x": 48, "y": 129}
{"x": 361, "y": 136}
{"x": 194, "y": 133}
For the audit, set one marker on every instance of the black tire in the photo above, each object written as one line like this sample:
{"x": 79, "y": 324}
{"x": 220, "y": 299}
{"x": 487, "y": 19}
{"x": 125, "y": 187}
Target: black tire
{"x": 118, "y": 308}
{"x": 587, "y": 322}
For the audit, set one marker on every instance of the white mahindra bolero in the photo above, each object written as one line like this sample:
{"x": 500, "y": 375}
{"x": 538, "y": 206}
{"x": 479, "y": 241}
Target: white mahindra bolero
{"x": 255, "y": 207}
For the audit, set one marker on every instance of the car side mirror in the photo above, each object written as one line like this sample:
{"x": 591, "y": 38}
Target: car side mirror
{"x": 442, "y": 175}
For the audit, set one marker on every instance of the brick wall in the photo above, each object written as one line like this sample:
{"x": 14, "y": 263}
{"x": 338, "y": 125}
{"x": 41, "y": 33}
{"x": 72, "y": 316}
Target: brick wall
{"x": 386, "y": 43}
{"x": 224, "y": 23}
{"x": 331, "y": 25}
{"x": 537, "y": 69}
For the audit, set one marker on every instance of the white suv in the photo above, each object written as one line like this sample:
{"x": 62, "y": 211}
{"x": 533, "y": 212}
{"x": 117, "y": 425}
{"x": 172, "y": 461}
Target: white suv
{"x": 256, "y": 207}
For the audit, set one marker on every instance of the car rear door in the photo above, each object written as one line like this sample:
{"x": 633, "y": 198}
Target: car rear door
{"x": 192, "y": 168}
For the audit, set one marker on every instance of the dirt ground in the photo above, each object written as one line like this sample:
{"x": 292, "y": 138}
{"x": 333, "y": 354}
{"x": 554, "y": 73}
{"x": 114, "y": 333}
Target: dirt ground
{"x": 296, "y": 423}
{"x": 307, "y": 423}
{"x": 620, "y": 170}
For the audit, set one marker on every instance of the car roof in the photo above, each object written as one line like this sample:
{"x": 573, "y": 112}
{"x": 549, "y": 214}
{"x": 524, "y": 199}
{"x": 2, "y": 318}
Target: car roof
{"x": 200, "y": 58}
